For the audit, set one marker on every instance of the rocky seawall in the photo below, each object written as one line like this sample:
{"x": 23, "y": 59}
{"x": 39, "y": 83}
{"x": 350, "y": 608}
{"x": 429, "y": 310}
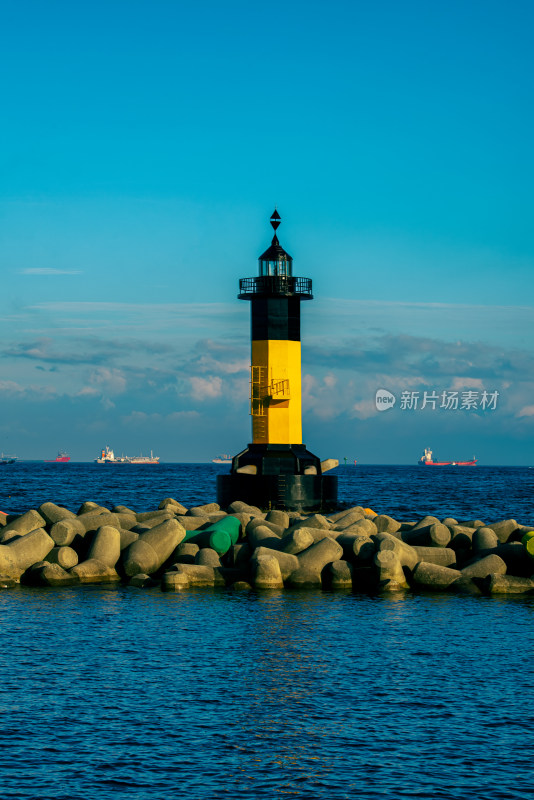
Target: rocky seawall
{"x": 176, "y": 548}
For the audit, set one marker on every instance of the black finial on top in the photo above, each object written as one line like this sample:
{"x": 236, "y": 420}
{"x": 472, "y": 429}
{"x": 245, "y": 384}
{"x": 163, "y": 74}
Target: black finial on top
{"x": 275, "y": 219}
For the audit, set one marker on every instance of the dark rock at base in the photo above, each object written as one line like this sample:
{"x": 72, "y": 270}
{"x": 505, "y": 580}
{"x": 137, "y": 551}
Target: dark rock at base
{"x": 142, "y": 581}
{"x": 7, "y": 582}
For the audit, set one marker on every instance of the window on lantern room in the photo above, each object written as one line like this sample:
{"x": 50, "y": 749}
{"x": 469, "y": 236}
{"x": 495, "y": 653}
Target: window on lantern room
{"x": 281, "y": 267}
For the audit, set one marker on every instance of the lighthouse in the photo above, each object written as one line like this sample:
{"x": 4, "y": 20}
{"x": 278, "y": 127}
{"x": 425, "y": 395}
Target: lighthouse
{"x": 276, "y": 470}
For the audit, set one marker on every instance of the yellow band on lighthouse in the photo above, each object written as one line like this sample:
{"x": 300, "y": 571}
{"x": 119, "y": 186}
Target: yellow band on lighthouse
{"x": 276, "y": 405}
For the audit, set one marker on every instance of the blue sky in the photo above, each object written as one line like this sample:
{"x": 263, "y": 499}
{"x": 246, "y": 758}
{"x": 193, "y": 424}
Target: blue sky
{"x": 142, "y": 149}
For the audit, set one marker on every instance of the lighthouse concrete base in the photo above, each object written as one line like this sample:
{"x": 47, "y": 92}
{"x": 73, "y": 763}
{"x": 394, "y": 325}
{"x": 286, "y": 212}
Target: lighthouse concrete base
{"x": 285, "y": 476}
{"x": 289, "y": 492}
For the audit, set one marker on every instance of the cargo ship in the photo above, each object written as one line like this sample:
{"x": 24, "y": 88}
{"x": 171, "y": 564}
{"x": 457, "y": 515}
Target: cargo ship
{"x": 223, "y": 459}
{"x": 426, "y": 460}
{"x": 62, "y": 458}
{"x": 107, "y": 456}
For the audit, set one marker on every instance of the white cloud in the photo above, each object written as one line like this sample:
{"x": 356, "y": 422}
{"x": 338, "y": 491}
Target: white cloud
{"x": 467, "y": 383}
{"x": 10, "y": 387}
{"x": 364, "y": 409}
{"x": 142, "y": 418}
{"x": 111, "y": 380}
{"x": 526, "y": 411}
{"x": 49, "y": 271}
{"x": 206, "y": 388}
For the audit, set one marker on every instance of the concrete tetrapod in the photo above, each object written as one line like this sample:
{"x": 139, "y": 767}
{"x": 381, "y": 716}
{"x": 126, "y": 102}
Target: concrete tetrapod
{"x": 484, "y": 539}
{"x": 207, "y": 558}
{"x": 94, "y": 571}
{"x": 198, "y": 575}
{"x": 266, "y": 572}
{"x": 279, "y": 518}
{"x": 364, "y": 527}
{"x": 8, "y": 564}
{"x": 288, "y": 563}
{"x": 30, "y": 548}
{"x": 106, "y": 546}
{"x": 357, "y": 547}
{"x": 185, "y": 553}
{"x": 390, "y": 573}
{"x": 53, "y": 513}
{"x": 406, "y": 554}
{"x": 296, "y": 542}
{"x": 219, "y": 536}
{"x": 338, "y": 575}
{"x": 484, "y": 567}
{"x": 65, "y": 531}
{"x": 385, "y": 523}
{"x": 65, "y": 557}
{"x": 508, "y": 584}
{"x": 312, "y": 562}
{"x": 93, "y": 520}
{"x": 433, "y": 576}
{"x": 504, "y": 529}
{"x": 262, "y": 536}
{"x": 103, "y": 554}
{"x": 444, "y": 556}
{"x": 25, "y": 523}
{"x": 153, "y": 548}
{"x": 256, "y": 522}
{"x": 46, "y": 574}
{"x": 435, "y": 535}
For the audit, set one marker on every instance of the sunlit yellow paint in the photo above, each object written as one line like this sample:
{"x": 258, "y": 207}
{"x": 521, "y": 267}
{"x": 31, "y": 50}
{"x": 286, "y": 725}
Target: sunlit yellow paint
{"x": 276, "y": 404}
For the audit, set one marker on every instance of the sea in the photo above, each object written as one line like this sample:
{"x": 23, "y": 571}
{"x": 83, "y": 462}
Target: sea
{"x": 218, "y": 693}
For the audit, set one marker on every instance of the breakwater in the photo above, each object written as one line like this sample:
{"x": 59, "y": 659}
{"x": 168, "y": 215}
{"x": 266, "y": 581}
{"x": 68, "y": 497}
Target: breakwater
{"x": 176, "y": 548}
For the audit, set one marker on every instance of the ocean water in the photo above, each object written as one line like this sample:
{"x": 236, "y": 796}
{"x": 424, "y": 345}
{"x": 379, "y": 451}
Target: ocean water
{"x": 487, "y": 493}
{"x": 225, "y": 694}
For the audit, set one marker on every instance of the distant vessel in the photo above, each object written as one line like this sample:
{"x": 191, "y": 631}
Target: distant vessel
{"x": 107, "y": 456}
{"x": 427, "y": 461}
{"x": 7, "y": 459}
{"x": 62, "y": 458}
{"x": 224, "y": 459}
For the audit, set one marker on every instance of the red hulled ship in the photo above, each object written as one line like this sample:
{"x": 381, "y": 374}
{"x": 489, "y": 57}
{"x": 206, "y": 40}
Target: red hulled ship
{"x": 62, "y": 458}
{"x": 426, "y": 460}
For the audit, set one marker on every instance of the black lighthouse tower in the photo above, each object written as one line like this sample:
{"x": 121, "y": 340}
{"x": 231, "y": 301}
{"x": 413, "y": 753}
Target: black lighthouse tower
{"x": 276, "y": 470}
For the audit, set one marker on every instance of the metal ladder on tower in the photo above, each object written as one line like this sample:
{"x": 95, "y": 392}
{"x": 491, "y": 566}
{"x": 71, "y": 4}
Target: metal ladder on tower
{"x": 258, "y": 396}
